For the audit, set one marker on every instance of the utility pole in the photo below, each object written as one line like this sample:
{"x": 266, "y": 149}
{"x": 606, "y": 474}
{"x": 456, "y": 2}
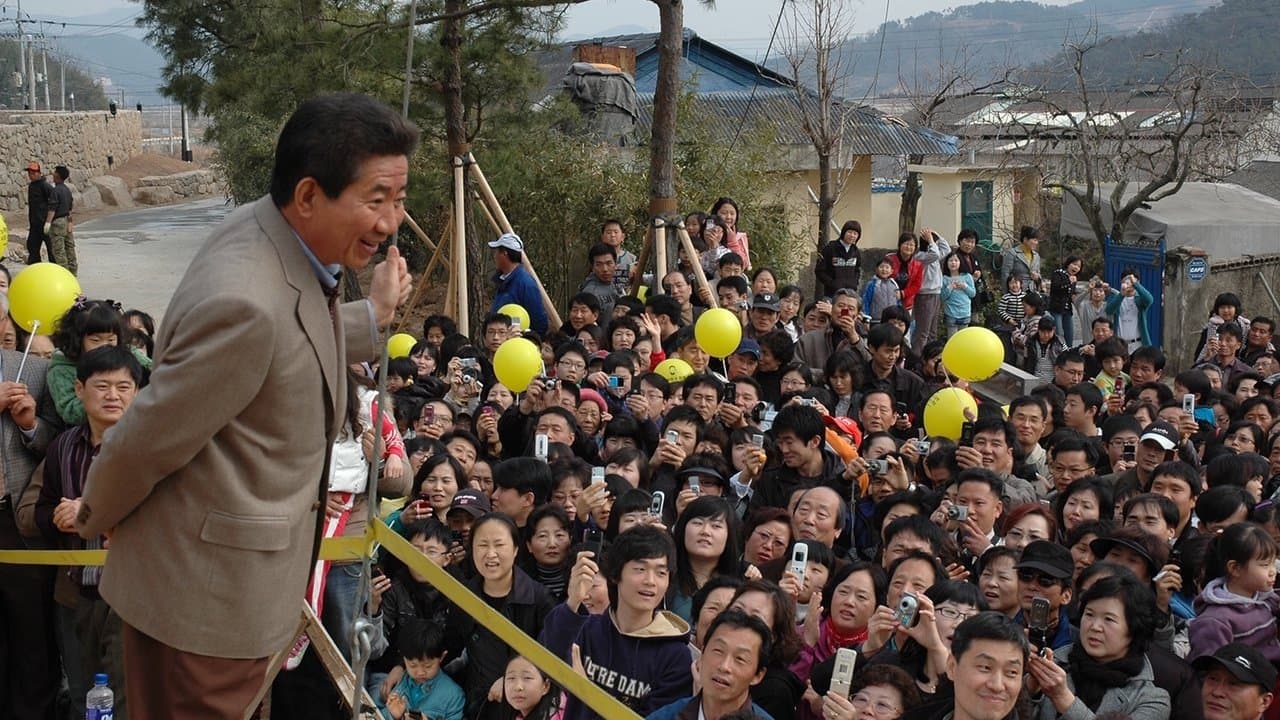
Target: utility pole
{"x": 22, "y": 54}
{"x": 186, "y": 148}
{"x": 170, "y": 109}
{"x": 44, "y": 62}
{"x": 31, "y": 65}
{"x": 408, "y": 57}
{"x": 62, "y": 84}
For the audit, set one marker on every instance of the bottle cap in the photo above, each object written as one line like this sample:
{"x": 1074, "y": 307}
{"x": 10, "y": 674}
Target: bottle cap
{"x": 100, "y": 679}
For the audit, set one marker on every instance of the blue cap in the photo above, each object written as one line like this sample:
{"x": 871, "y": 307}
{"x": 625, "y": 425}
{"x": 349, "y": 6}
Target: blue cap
{"x": 100, "y": 679}
{"x": 748, "y": 347}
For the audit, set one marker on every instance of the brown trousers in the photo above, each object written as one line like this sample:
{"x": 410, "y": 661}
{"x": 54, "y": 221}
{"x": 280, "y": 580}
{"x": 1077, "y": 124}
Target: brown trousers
{"x": 165, "y": 682}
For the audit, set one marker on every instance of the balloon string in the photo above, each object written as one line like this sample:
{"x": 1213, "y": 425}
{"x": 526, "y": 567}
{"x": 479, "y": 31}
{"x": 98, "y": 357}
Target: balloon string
{"x": 35, "y": 327}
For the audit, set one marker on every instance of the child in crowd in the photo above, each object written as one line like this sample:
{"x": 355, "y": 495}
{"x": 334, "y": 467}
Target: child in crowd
{"x": 1032, "y": 309}
{"x": 530, "y": 692}
{"x": 1239, "y": 603}
{"x": 400, "y": 374}
{"x": 1112, "y": 354}
{"x": 730, "y": 264}
{"x": 958, "y": 291}
{"x": 882, "y": 291}
{"x": 87, "y": 325}
{"x": 1011, "y": 309}
{"x": 424, "y": 689}
{"x": 1043, "y": 348}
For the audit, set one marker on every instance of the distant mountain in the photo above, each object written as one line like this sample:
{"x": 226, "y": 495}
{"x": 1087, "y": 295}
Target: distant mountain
{"x": 107, "y": 44}
{"x": 903, "y": 57}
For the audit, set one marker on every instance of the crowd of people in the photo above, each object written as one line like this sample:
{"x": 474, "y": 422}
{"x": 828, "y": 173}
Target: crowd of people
{"x": 711, "y": 545}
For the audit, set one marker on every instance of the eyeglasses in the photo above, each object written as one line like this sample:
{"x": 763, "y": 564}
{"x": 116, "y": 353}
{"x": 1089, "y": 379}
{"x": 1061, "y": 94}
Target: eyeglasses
{"x": 1044, "y": 581}
{"x": 951, "y": 613}
{"x": 567, "y": 365}
{"x": 879, "y": 707}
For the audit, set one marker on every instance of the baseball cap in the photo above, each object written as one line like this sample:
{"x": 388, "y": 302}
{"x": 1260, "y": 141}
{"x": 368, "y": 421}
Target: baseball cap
{"x": 1047, "y": 557}
{"x": 33, "y": 165}
{"x": 1244, "y": 662}
{"x": 766, "y": 301}
{"x": 704, "y": 475}
{"x": 1162, "y": 434}
{"x": 510, "y": 241}
{"x": 471, "y": 500}
{"x": 748, "y": 347}
{"x": 1103, "y": 545}
{"x": 848, "y": 426}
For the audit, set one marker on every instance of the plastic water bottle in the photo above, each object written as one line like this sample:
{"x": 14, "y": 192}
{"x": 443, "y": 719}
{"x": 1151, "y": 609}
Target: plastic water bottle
{"x": 99, "y": 701}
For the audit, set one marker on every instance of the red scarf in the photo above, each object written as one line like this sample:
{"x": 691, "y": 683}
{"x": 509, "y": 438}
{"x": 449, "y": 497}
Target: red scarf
{"x": 843, "y": 640}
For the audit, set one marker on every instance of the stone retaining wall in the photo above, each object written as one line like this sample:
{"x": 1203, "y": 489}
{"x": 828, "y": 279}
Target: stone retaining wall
{"x": 83, "y": 141}
{"x": 161, "y": 189}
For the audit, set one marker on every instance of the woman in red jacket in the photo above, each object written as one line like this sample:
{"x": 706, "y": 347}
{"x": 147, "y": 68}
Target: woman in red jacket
{"x": 906, "y": 269}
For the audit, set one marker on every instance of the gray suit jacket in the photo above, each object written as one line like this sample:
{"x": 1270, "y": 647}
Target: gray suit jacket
{"x": 19, "y": 455}
{"x": 214, "y": 479}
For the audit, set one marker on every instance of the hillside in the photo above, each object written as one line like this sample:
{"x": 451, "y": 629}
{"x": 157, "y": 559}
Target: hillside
{"x": 1237, "y": 37}
{"x": 985, "y": 38}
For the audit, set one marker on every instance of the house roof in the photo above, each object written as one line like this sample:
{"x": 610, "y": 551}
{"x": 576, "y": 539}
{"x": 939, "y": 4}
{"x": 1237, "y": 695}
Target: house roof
{"x": 867, "y": 131}
{"x": 1261, "y": 176}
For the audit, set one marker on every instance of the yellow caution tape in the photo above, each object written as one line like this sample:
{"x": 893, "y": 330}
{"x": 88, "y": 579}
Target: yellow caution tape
{"x": 347, "y": 548}
{"x": 604, "y": 704}
{"x": 354, "y": 548}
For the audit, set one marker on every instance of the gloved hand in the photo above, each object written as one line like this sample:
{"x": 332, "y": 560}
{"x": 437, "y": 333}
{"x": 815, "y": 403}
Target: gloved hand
{"x": 47, "y": 227}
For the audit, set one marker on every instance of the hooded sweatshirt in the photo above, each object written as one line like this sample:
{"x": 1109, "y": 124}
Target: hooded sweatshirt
{"x": 645, "y": 670}
{"x": 1224, "y": 617}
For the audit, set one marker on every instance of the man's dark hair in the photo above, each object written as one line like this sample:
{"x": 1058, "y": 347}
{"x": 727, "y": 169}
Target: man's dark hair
{"x": 420, "y": 640}
{"x": 108, "y": 358}
{"x": 330, "y": 136}
{"x": 737, "y": 282}
{"x": 1068, "y": 356}
{"x": 996, "y": 423}
{"x": 1089, "y": 394}
{"x": 984, "y": 476}
{"x": 939, "y": 572}
{"x": 1029, "y": 401}
{"x": 1263, "y": 320}
{"x": 664, "y": 305}
{"x": 1167, "y": 509}
{"x": 684, "y": 413}
{"x": 525, "y": 475}
{"x": 1196, "y": 382}
{"x": 702, "y": 380}
{"x": 801, "y": 420}
{"x": 967, "y": 233}
{"x": 1153, "y": 355}
{"x": 495, "y": 318}
{"x": 655, "y": 381}
{"x": 642, "y": 542}
{"x": 740, "y": 620}
{"x": 1185, "y": 472}
{"x": 919, "y": 525}
{"x": 601, "y": 249}
{"x": 988, "y": 625}
{"x": 1231, "y": 329}
{"x": 1067, "y": 440}
{"x": 585, "y": 298}
{"x": 611, "y": 221}
{"x": 62, "y": 173}
{"x": 572, "y": 346}
{"x": 779, "y": 344}
{"x": 429, "y": 528}
{"x": 882, "y": 335}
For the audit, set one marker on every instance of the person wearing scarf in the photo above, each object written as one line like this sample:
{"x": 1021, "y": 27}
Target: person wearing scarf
{"x": 1106, "y": 670}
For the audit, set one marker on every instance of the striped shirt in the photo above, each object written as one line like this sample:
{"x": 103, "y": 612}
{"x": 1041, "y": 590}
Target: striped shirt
{"x": 66, "y": 466}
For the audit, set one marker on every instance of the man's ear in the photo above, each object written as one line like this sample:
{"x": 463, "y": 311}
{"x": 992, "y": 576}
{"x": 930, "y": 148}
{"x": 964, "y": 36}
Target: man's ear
{"x": 1066, "y": 596}
{"x": 305, "y": 195}
{"x": 79, "y": 390}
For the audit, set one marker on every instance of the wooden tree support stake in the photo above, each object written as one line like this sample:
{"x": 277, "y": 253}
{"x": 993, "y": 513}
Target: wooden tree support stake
{"x": 687, "y": 243}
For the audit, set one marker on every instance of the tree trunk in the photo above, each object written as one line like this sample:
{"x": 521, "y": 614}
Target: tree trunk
{"x": 910, "y": 198}
{"x": 662, "y": 183}
{"x": 826, "y": 199}
{"x": 455, "y": 128}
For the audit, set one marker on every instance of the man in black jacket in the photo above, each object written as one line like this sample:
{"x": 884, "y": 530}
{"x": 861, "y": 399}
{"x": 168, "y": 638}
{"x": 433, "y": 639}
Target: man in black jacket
{"x": 840, "y": 262}
{"x": 39, "y": 199}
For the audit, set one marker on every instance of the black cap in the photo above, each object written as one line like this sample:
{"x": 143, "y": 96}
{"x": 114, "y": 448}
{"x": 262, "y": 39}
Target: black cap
{"x": 1103, "y": 545}
{"x": 1047, "y": 557}
{"x": 1244, "y": 662}
{"x": 766, "y": 301}
{"x": 1162, "y": 434}
{"x": 704, "y": 474}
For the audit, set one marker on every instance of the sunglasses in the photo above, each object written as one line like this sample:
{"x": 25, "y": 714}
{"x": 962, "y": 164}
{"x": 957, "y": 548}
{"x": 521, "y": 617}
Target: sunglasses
{"x": 1044, "y": 581}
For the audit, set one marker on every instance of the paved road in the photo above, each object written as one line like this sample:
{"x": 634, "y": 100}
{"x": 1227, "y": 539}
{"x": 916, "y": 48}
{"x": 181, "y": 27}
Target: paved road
{"x": 138, "y": 257}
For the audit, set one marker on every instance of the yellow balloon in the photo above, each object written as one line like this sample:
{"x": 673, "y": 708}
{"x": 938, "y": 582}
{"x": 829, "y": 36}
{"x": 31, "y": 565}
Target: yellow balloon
{"x": 973, "y": 354}
{"x": 513, "y": 310}
{"x": 674, "y": 370}
{"x": 399, "y": 345}
{"x": 944, "y": 412}
{"x": 718, "y": 332}
{"x": 40, "y": 295}
{"x": 517, "y": 363}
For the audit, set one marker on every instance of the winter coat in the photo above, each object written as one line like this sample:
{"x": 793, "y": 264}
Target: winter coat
{"x": 1139, "y": 699}
{"x": 645, "y": 670}
{"x": 520, "y": 288}
{"x": 690, "y": 708}
{"x": 774, "y": 486}
{"x": 838, "y": 267}
{"x": 880, "y": 294}
{"x": 1060, "y": 291}
{"x": 909, "y": 276}
{"x": 1222, "y": 617}
{"x": 1014, "y": 262}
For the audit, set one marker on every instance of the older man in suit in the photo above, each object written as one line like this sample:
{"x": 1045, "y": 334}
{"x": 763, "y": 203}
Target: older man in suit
{"x": 29, "y": 673}
{"x": 212, "y": 486}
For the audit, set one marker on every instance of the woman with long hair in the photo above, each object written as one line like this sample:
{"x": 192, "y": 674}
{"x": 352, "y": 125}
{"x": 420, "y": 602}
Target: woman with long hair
{"x": 707, "y": 543}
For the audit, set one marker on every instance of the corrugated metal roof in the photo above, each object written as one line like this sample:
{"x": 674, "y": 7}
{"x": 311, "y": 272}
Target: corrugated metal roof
{"x": 867, "y": 130}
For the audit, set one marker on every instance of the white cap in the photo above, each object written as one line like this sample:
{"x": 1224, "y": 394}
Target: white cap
{"x": 510, "y": 241}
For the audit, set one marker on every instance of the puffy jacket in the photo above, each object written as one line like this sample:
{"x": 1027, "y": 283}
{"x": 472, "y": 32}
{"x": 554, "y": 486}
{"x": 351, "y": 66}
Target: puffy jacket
{"x": 1223, "y": 617}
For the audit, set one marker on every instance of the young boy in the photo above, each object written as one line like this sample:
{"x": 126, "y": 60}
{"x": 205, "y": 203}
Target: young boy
{"x": 424, "y": 689}
{"x": 1112, "y": 354}
{"x": 636, "y": 652}
{"x": 1043, "y": 349}
{"x": 1032, "y": 309}
{"x": 882, "y": 291}
{"x": 729, "y": 264}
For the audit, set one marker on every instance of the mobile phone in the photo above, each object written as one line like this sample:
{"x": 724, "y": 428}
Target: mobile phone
{"x": 730, "y": 393}
{"x": 428, "y": 415}
{"x": 908, "y": 607}
{"x": 1189, "y": 403}
{"x": 1038, "y": 622}
{"x": 878, "y": 467}
{"x": 1119, "y": 389}
{"x": 593, "y": 542}
{"x": 901, "y": 408}
{"x": 655, "y": 505}
{"x": 842, "y": 672}
{"x": 695, "y": 484}
{"x": 515, "y": 324}
{"x": 615, "y": 381}
{"x": 845, "y": 312}
{"x": 799, "y": 561}
{"x": 540, "y": 447}
{"x": 758, "y": 441}
{"x": 456, "y": 535}
{"x": 597, "y": 475}
{"x": 486, "y": 410}
{"x": 673, "y": 437}
{"x": 966, "y": 435}
{"x": 1130, "y": 452}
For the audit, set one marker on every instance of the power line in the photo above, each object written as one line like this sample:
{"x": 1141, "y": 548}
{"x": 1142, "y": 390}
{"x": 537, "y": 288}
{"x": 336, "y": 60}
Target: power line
{"x": 754, "y": 86}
